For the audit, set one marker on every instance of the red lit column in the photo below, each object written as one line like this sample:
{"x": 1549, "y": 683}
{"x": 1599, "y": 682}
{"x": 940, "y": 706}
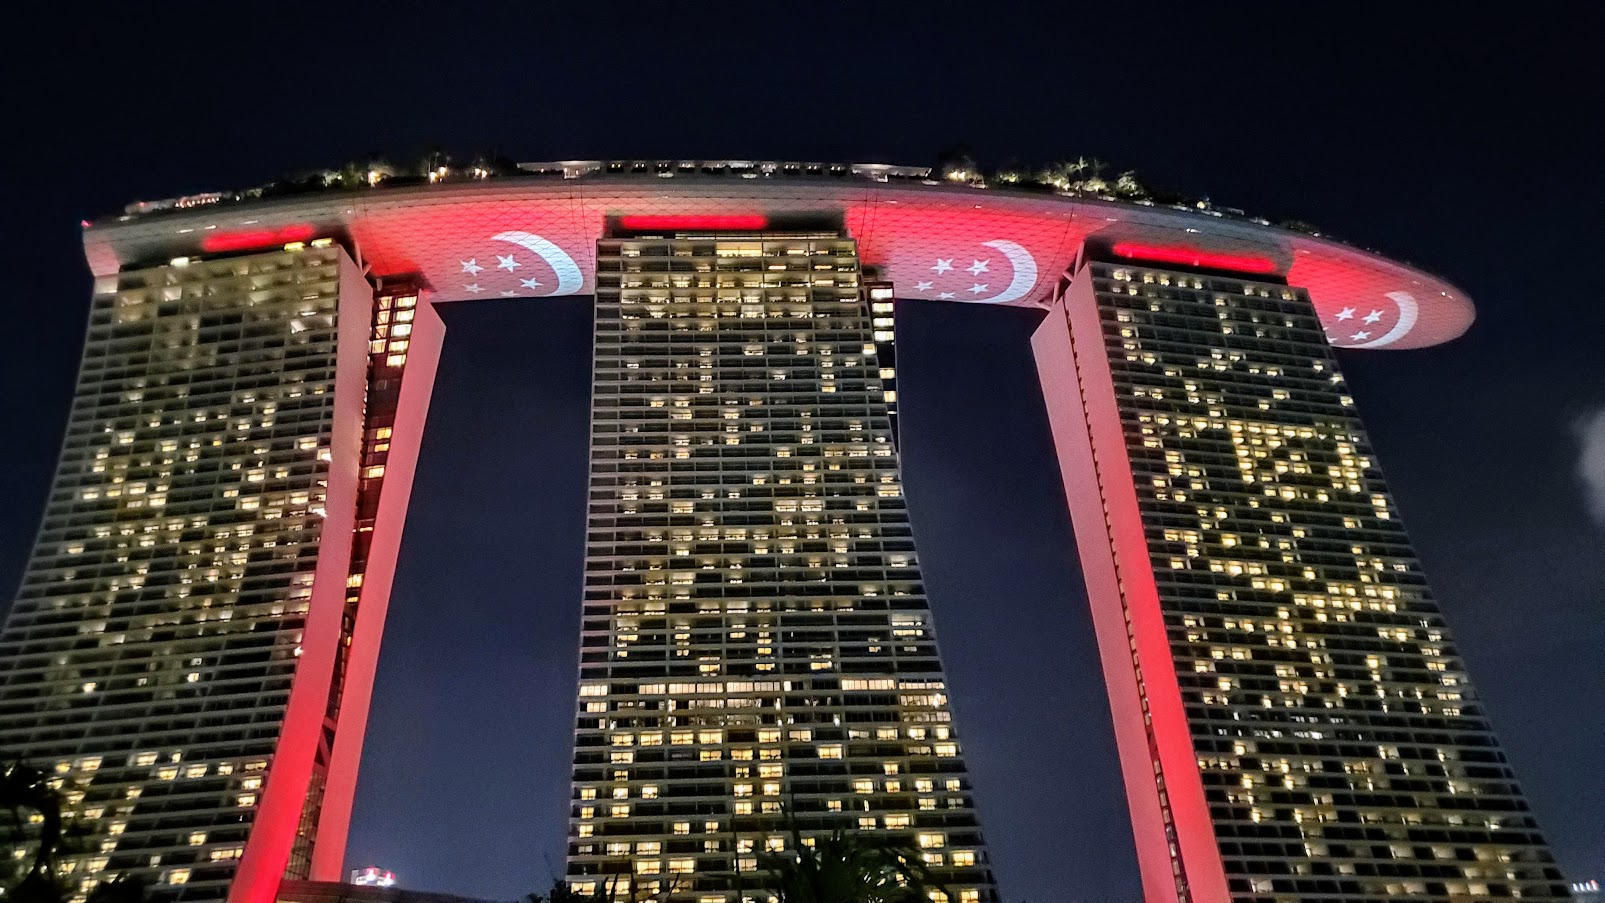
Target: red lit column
{"x": 278, "y": 815}
{"x": 412, "y": 412}
{"x": 1176, "y": 846}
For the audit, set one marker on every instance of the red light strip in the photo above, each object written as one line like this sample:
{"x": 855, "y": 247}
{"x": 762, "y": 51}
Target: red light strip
{"x": 244, "y": 241}
{"x": 1193, "y": 257}
{"x": 692, "y": 223}
{"x": 345, "y": 757}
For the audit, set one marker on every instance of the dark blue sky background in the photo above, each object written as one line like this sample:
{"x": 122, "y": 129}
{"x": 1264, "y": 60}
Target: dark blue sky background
{"x": 1469, "y": 145}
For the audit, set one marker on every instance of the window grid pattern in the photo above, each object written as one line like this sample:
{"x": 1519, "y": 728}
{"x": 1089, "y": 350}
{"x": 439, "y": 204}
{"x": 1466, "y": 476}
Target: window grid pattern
{"x": 1342, "y": 750}
{"x": 757, "y": 646}
{"x": 149, "y": 655}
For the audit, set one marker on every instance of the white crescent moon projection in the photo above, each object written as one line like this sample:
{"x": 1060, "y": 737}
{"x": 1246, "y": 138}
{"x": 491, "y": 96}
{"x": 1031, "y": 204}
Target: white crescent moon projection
{"x": 1025, "y": 271}
{"x": 1408, "y": 311}
{"x": 569, "y": 277}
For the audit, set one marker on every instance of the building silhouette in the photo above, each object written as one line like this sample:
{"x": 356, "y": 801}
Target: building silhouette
{"x": 193, "y": 647}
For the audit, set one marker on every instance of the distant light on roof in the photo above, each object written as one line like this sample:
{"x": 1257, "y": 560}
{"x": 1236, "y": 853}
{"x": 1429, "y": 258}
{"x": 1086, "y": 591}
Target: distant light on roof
{"x": 373, "y": 876}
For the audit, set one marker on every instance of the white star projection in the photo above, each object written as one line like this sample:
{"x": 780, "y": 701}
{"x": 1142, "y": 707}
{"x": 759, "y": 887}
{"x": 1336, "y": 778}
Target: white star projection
{"x": 1022, "y": 265}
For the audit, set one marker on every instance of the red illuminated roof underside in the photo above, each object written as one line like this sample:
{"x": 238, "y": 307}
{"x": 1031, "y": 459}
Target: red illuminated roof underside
{"x": 537, "y": 238}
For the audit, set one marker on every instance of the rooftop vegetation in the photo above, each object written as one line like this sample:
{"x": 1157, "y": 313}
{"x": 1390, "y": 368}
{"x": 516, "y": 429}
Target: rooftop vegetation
{"x": 1087, "y": 177}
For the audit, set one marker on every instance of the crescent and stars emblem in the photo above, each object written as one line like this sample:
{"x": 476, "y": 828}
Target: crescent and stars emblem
{"x": 569, "y": 277}
{"x": 1365, "y": 328}
{"x": 1409, "y": 310}
{"x": 1025, "y": 271}
{"x": 1022, "y": 276}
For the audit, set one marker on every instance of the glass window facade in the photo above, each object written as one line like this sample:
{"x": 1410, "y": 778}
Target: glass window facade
{"x": 1340, "y": 748}
{"x": 149, "y": 656}
{"x": 757, "y": 648}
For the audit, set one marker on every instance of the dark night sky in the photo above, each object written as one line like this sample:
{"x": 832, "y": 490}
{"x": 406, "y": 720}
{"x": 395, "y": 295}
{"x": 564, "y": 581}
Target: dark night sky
{"x": 1471, "y": 146}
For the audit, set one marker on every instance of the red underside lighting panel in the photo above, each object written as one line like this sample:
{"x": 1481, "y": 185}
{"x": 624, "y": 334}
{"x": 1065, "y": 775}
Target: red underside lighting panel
{"x": 693, "y": 223}
{"x": 1191, "y": 257}
{"x": 537, "y": 239}
{"x": 258, "y": 238}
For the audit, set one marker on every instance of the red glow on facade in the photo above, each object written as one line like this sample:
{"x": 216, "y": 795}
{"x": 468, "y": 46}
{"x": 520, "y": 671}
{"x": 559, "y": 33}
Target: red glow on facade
{"x": 694, "y": 223}
{"x": 1192, "y": 257}
{"x": 1157, "y": 758}
{"x": 256, "y": 238}
{"x": 345, "y": 756}
{"x": 278, "y": 814}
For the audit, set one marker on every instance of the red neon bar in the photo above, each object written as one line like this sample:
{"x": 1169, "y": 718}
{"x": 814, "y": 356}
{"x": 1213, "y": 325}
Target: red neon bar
{"x": 263, "y": 238}
{"x": 691, "y": 222}
{"x": 1192, "y": 257}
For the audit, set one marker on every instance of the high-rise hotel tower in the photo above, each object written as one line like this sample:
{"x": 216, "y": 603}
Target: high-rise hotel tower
{"x": 192, "y": 651}
{"x": 757, "y": 653}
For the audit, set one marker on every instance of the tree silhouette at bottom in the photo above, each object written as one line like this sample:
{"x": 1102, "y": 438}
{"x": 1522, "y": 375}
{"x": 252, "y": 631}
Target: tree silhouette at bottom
{"x": 843, "y": 867}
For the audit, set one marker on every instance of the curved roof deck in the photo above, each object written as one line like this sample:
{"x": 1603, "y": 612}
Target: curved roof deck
{"x": 535, "y": 236}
